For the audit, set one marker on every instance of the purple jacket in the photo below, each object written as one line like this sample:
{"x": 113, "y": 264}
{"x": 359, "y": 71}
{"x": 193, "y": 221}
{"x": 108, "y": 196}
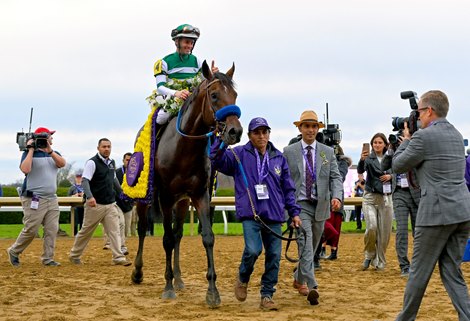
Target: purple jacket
{"x": 281, "y": 188}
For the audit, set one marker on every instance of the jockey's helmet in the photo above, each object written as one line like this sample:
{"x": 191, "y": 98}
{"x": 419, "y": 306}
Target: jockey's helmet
{"x": 185, "y": 31}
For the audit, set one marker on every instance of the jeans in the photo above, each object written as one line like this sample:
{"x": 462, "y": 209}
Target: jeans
{"x": 256, "y": 237}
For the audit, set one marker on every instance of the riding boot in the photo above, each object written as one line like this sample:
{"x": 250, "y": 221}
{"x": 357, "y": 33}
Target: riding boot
{"x": 333, "y": 255}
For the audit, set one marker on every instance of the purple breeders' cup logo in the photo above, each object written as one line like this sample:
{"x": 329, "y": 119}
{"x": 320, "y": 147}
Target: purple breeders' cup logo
{"x": 134, "y": 168}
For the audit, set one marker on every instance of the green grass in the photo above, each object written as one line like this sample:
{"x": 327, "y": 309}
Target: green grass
{"x": 12, "y": 230}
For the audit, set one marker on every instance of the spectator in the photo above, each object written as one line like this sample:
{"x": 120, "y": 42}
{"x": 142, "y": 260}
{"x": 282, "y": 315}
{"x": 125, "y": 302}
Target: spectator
{"x": 125, "y": 205}
{"x": 319, "y": 189}
{"x": 443, "y": 219}
{"x": 261, "y": 179}
{"x": 99, "y": 177}
{"x": 77, "y": 190}
{"x": 377, "y": 203}
{"x": 359, "y": 192}
{"x": 40, "y": 163}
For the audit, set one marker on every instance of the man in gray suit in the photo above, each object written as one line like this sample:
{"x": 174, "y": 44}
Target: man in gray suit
{"x": 443, "y": 219}
{"x": 319, "y": 187}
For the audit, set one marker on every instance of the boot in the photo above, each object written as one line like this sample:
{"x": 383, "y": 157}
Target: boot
{"x": 333, "y": 255}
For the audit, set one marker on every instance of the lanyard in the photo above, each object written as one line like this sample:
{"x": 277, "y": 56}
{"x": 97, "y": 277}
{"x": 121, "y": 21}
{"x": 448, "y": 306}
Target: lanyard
{"x": 263, "y": 168}
{"x": 313, "y": 171}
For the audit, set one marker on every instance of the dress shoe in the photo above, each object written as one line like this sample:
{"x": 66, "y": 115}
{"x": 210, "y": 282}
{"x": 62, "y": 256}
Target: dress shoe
{"x": 366, "y": 264}
{"x": 302, "y": 288}
{"x": 313, "y": 296}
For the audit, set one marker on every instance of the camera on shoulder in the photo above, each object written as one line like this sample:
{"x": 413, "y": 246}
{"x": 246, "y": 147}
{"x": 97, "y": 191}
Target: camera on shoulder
{"x": 39, "y": 140}
{"x": 398, "y": 123}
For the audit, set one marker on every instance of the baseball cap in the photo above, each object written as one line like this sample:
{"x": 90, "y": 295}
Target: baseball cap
{"x": 257, "y": 122}
{"x": 40, "y": 130}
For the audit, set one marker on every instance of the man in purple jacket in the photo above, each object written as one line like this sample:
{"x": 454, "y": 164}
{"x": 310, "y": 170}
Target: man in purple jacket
{"x": 265, "y": 183}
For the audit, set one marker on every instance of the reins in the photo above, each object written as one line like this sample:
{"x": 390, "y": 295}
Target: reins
{"x": 258, "y": 219}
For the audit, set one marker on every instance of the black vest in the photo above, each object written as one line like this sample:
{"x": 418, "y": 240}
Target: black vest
{"x": 102, "y": 183}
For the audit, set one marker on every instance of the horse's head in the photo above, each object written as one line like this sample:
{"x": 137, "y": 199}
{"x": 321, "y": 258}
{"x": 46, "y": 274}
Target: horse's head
{"x": 221, "y": 96}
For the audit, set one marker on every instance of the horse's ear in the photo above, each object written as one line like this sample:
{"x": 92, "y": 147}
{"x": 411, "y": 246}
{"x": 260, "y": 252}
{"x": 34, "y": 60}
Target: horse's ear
{"x": 206, "y": 71}
{"x": 230, "y": 72}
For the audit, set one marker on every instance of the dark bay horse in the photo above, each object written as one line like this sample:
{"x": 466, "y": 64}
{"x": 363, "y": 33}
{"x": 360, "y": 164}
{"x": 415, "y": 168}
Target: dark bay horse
{"x": 181, "y": 173}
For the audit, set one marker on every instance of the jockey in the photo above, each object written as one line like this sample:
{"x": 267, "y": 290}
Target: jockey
{"x": 178, "y": 67}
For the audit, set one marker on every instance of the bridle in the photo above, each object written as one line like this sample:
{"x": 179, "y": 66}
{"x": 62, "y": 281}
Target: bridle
{"x": 219, "y": 115}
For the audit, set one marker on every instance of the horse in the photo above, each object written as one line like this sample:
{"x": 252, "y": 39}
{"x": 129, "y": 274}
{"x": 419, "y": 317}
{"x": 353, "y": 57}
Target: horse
{"x": 181, "y": 173}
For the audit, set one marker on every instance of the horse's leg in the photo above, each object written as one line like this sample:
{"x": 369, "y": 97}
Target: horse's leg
{"x": 202, "y": 206}
{"x": 137, "y": 274}
{"x": 181, "y": 209}
{"x": 168, "y": 245}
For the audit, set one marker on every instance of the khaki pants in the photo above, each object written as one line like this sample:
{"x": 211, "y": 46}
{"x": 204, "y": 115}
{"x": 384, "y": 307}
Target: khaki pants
{"x": 47, "y": 214}
{"x": 108, "y": 215}
{"x": 378, "y": 214}
{"x": 122, "y": 233}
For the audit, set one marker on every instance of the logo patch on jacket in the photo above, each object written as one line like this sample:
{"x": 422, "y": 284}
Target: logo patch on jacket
{"x": 277, "y": 170}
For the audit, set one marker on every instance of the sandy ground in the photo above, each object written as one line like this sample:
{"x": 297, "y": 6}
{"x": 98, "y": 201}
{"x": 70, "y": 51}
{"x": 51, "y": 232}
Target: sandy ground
{"x": 98, "y": 290}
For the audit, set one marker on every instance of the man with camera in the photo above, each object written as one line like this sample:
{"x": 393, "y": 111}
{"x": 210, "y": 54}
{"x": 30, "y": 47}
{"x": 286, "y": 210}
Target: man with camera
{"x": 40, "y": 164}
{"x": 443, "y": 218}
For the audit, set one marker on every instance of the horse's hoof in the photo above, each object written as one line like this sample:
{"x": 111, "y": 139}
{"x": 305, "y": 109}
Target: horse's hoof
{"x": 137, "y": 277}
{"x": 169, "y": 295}
{"x": 213, "y": 299}
{"x": 178, "y": 284}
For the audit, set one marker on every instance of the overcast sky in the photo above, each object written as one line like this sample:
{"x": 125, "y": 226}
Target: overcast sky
{"x": 86, "y": 66}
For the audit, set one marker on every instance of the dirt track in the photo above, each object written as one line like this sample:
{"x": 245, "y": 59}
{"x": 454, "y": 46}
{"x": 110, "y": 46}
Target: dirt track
{"x": 99, "y": 291}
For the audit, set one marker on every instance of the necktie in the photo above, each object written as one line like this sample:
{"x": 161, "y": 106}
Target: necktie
{"x": 308, "y": 173}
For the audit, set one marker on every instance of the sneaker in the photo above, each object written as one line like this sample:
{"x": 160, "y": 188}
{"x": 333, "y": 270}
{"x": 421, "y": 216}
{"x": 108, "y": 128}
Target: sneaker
{"x": 405, "y": 272}
{"x": 302, "y": 288}
{"x": 323, "y": 253}
{"x": 366, "y": 264}
{"x": 51, "y": 263}
{"x": 313, "y": 296}
{"x": 106, "y": 247}
{"x": 241, "y": 290}
{"x": 75, "y": 260}
{"x": 124, "y": 262}
{"x": 61, "y": 232}
{"x": 124, "y": 251}
{"x": 268, "y": 304}
{"x": 13, "y": 258}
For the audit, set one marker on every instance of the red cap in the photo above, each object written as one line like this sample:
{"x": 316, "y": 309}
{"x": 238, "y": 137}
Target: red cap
{"x": 44, "y": 130}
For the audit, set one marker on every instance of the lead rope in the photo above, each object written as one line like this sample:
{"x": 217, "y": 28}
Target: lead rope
{"x": 258, "y": 219}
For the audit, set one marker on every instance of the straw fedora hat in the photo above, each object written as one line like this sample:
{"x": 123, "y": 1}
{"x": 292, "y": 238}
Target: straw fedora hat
{"x": 309, "y": 116}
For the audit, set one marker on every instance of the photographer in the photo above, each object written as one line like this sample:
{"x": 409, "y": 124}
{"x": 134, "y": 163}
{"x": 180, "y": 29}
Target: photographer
{"x": 40, "y": 163}
{"x": 406, "y": 198}
{"x": 443, "y": 219}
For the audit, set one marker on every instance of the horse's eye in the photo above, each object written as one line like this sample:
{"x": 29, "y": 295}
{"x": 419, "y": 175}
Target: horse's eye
{"x": 214, "y": 97}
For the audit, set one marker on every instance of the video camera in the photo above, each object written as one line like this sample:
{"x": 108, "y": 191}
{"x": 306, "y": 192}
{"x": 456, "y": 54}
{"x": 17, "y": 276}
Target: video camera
{"x": 398, "y": 123}
{"x": 331, "y": 134}
{"x": 39, "y": 140}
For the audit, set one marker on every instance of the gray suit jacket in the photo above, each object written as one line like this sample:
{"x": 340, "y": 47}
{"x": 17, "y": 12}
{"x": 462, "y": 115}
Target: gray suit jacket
{"x": 329, "y": 180}
{"x": 437, "y": 153}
